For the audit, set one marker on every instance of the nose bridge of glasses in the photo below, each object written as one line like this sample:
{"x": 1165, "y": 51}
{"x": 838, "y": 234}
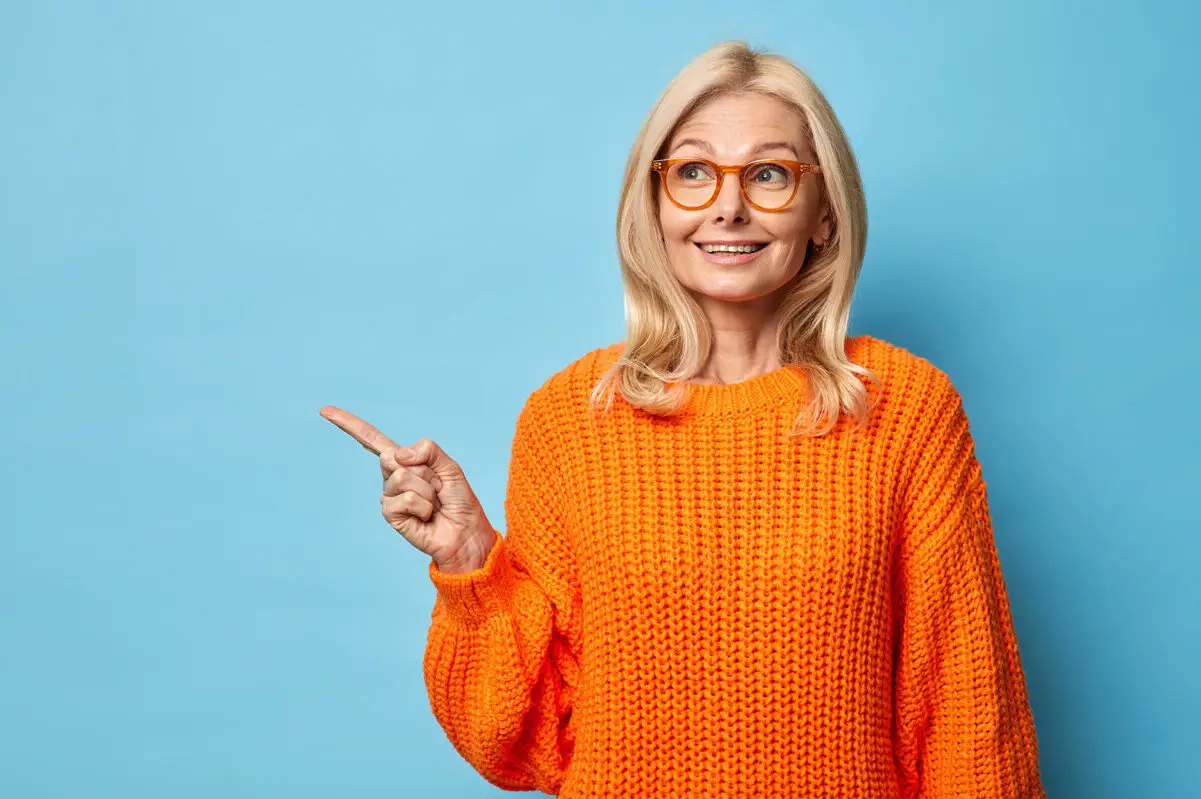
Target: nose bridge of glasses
{"x": 736, "y": 189}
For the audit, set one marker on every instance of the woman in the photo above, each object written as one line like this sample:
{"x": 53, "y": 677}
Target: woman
{"x": 746, "y": 555}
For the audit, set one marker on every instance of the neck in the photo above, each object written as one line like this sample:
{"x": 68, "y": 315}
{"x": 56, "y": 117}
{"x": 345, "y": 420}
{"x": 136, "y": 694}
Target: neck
{"x": 744, "y": 341}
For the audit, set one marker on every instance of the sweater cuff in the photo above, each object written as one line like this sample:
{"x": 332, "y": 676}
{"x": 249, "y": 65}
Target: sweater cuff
{"x": 475, "y": 596}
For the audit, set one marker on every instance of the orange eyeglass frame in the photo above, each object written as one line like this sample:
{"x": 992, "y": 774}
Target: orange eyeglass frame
{"x": 660, "y": 167}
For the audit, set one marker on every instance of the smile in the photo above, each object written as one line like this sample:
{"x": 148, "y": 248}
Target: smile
{"x": 731, "y": 254}
{"x": 755, "y": 247}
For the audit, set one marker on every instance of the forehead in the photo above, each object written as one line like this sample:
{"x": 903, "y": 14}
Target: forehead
{"x": 733, "y": 125}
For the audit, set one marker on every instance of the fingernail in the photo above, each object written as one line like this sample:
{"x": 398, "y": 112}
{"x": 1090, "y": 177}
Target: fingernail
{"x": 404, "y": 453}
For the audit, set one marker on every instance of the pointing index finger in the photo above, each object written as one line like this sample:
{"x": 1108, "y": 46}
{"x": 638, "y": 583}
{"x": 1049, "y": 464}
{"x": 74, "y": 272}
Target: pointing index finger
{"x": 359, "y": 430}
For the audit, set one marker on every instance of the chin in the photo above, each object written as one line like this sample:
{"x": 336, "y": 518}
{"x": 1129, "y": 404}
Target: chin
{"x": 726, "y": 292}
{"x": 734, "y": 287}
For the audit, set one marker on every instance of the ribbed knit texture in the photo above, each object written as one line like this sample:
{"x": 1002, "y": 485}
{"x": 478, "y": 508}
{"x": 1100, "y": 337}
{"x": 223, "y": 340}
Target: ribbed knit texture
{"x": 701, "y": 606}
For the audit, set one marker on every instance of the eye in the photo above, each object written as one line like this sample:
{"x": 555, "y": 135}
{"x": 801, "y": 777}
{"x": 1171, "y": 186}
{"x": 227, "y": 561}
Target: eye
{"x": 771, "y": 174}
{"x": 693, "y": 171}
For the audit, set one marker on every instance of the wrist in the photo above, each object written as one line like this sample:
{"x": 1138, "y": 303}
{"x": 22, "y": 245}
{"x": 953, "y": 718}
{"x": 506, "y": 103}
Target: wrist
{"x": 471, "y": 556}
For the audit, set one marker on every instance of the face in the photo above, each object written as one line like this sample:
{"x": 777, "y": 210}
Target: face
{"x": 735, "y": 129}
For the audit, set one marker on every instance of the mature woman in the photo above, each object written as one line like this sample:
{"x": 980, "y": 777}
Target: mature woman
{"x": 746, "y": 555}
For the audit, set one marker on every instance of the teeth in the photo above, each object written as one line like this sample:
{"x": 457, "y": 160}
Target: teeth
{"x": 732, "y": 247}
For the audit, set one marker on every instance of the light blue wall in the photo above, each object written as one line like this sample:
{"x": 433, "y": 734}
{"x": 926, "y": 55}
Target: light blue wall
{"x": 216, "y": 218}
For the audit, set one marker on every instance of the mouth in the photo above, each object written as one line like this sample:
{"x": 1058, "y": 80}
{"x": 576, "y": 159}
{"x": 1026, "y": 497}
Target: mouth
{"x": 733, "y": 253}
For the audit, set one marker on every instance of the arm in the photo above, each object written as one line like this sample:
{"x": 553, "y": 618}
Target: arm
{"x": 963, "y": 719}
{"x": 501, "y": 663}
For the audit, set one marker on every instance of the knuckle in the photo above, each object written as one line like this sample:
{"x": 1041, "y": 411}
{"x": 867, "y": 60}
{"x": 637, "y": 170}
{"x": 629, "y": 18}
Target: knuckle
{"x": 411, "y": 505}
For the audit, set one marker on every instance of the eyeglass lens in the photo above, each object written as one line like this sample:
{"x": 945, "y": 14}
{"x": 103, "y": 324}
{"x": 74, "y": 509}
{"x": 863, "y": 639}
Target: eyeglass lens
{"x": 768, "y": 184}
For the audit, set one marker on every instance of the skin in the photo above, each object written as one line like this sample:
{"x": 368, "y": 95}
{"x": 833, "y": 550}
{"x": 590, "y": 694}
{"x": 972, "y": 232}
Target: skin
{"x": 426, "y": 497}
{"x": 741, "y": 301}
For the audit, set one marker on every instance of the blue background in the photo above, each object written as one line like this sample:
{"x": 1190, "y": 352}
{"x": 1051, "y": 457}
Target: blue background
{"x": 218, "y": 217}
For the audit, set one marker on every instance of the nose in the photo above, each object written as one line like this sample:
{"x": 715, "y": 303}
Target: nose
{"x": 730, "y": 205}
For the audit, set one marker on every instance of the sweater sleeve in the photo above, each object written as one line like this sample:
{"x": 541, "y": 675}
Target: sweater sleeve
{"x": 501, "y": 663}
{"x": 963, "y": 719}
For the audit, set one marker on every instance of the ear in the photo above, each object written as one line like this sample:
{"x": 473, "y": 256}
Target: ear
{"x": 825, "y": 226}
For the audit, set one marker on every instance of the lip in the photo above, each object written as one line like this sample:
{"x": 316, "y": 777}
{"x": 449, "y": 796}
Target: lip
{"x": 731, "y": 241}
{"x": 731, "y": 258}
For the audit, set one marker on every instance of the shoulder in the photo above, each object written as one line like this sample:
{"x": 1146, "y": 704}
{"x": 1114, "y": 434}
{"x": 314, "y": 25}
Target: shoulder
{"x": 910, "y": 384}
{"x": 909, "y": 381}
{"x": 921, "y": 412}
{"x": 567, "y": 391}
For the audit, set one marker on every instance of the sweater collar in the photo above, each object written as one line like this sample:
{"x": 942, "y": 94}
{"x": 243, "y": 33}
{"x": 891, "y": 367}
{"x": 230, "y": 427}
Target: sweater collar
{"x": 780, "y": 389}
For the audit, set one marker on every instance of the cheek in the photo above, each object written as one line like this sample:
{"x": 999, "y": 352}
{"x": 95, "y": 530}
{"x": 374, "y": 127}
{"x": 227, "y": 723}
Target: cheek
{"x": 790, "y": 226}
{"x": 677, "y": 225}
{"x": 791, "y": 235}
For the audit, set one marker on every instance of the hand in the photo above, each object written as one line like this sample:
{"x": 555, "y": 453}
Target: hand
{"x": 426, "y": 497}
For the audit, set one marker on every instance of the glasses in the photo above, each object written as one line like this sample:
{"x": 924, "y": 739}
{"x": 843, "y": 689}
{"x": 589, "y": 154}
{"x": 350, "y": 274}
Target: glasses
{"x": 693, "y": 183}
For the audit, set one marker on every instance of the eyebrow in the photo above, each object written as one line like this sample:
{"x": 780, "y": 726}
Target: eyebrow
{"x": 771, "y": 145}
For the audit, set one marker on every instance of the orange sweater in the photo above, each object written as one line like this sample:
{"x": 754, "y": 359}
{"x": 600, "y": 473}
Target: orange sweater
{"x": 702, "y": 607}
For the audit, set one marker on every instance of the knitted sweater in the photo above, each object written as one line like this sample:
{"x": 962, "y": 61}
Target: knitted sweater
{"x": 702, "y": 606}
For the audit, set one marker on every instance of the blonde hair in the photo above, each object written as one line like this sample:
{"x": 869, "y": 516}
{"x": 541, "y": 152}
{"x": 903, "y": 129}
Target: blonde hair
{"x": 668, "y": 336}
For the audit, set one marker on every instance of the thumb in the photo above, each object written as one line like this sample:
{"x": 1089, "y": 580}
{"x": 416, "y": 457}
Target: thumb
{"x": 426, "y": 452}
